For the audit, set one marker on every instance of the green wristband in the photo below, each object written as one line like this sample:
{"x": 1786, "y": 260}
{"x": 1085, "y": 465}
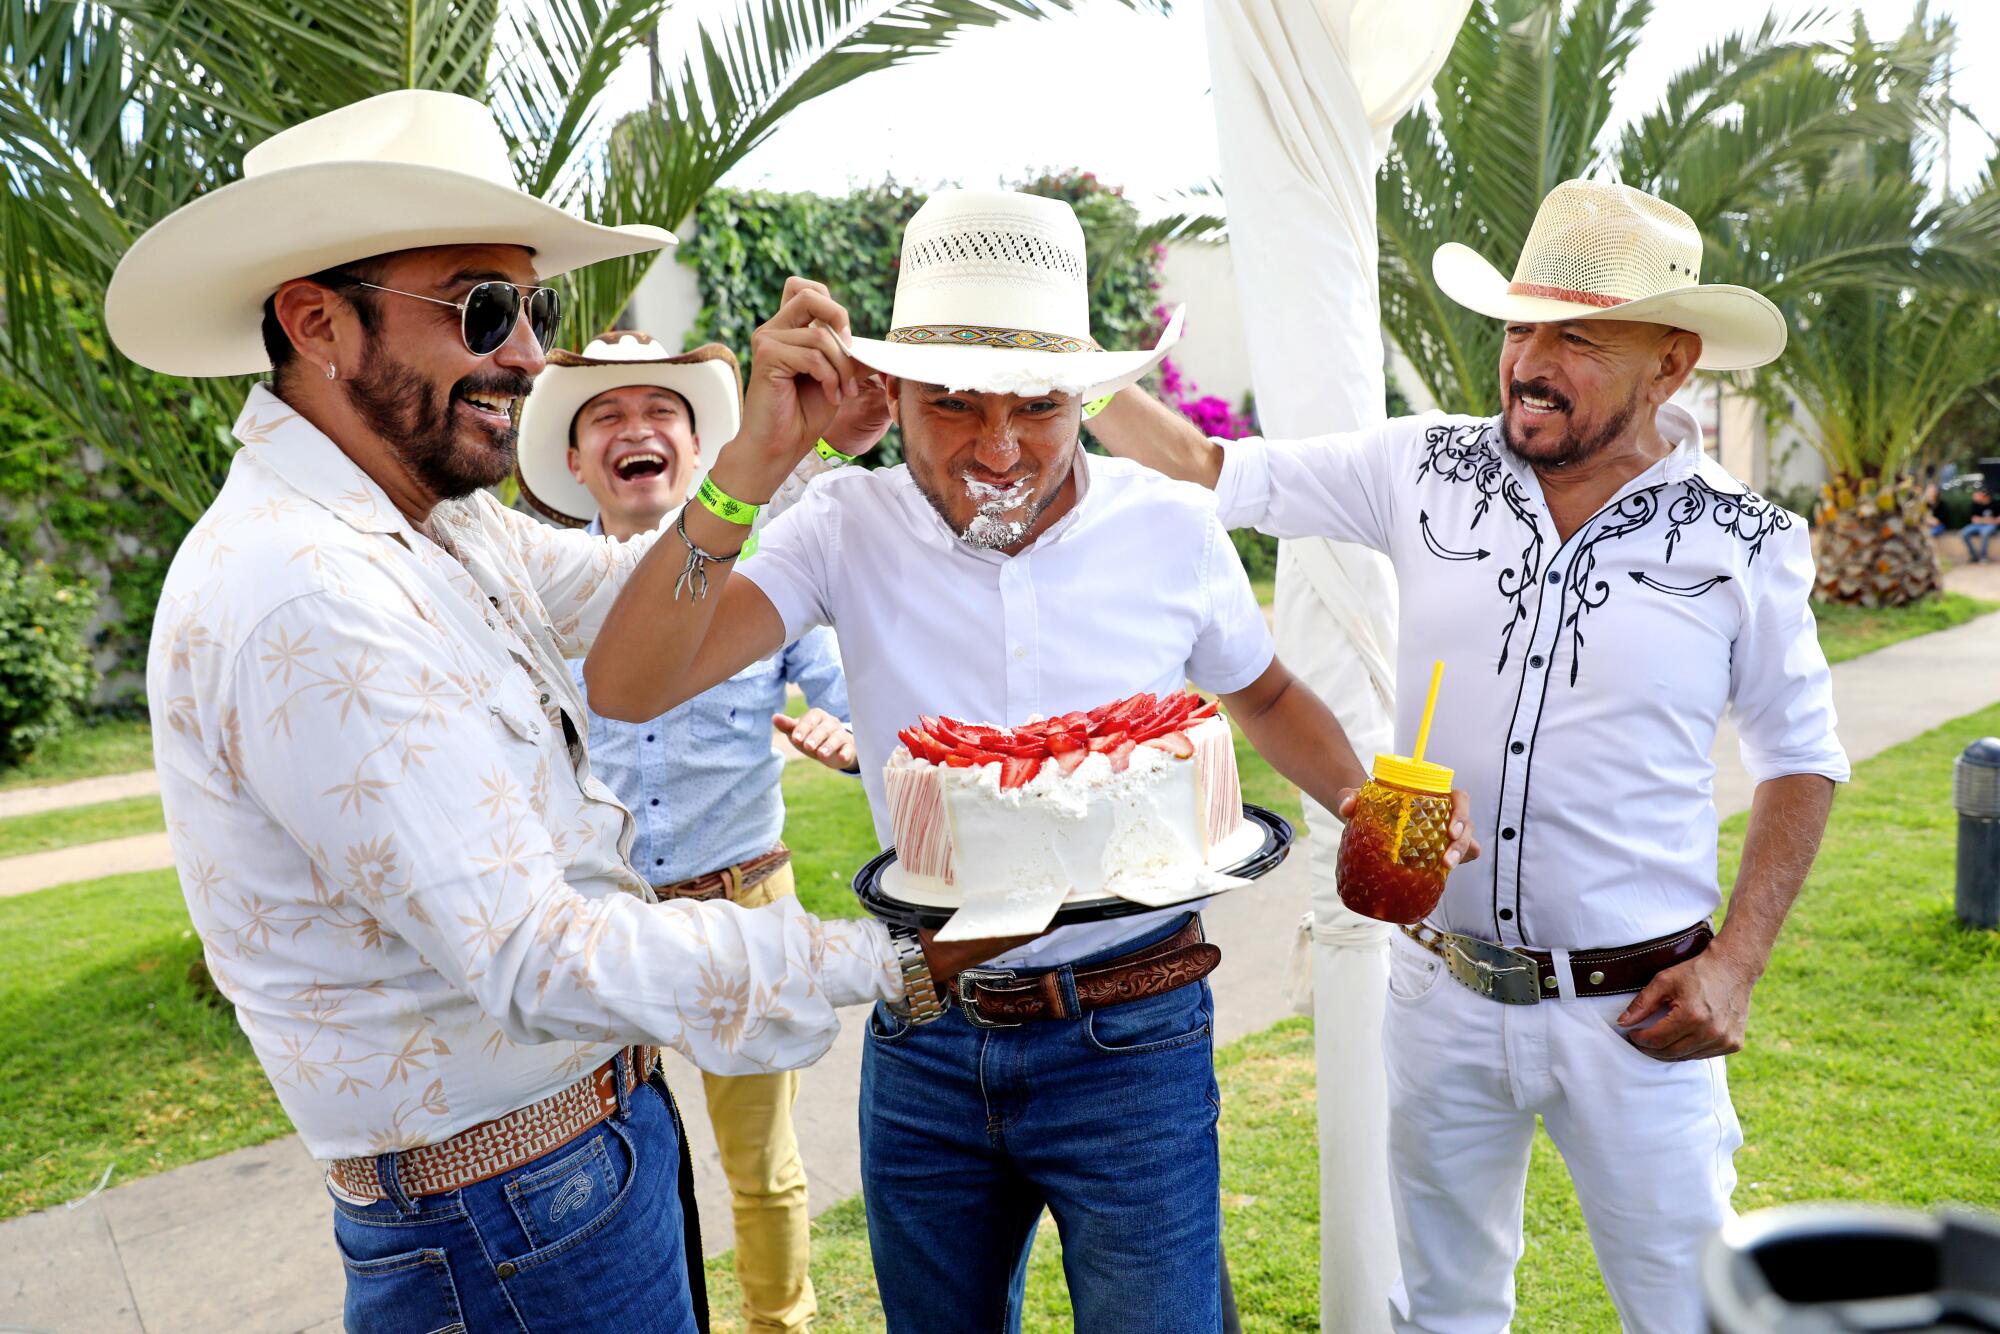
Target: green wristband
{"x": 1097, "y": 405}
{"x": 832, "y": 455}
{"x": 725, "y": 506}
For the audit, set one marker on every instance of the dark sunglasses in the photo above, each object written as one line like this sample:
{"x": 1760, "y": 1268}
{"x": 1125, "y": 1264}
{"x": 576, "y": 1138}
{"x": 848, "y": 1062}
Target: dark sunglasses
{"x": 487, "y": 314}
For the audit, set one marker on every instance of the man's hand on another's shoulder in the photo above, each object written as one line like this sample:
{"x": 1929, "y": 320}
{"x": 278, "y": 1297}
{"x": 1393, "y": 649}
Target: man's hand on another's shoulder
{"x": 799, "y": 376}
{"x": 818, "y": 735}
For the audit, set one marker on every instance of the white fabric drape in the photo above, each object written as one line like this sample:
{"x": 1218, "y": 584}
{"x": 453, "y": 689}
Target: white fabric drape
{"x": 1305, "y": 95}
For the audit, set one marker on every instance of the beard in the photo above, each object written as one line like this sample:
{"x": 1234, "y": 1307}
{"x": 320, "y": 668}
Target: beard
{"x": 1001, "y": 517}
{"x": 416, "y": 417}
{"x": 1572, "y": 446}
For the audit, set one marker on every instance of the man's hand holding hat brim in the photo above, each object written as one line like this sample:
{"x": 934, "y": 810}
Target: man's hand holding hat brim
{"x": 800, "y": 373}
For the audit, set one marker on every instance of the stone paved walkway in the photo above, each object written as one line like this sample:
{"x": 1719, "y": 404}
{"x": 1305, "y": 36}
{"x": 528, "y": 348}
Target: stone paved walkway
{"x": 242, "y": 1241}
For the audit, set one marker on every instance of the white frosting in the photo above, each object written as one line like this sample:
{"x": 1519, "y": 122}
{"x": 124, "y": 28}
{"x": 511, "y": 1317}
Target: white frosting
{"x": 1017, "y": 854}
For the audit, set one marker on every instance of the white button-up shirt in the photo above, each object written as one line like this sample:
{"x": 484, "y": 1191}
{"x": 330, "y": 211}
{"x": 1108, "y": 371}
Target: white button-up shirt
{"x": 1583, "y": 678}
{"x": 403, "y": 874}
{"x": 1136, "y": 588}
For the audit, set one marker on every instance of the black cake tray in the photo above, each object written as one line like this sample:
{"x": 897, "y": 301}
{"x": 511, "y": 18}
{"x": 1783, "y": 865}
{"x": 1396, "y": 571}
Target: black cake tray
{"x": 1278, "y": 839}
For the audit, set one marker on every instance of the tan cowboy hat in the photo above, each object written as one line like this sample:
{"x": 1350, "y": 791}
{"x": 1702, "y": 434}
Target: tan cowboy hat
{"x": 993, "y": 296}
{"x": 1600, "y": 251}
{"x": 706, "y": 377}
{"x": 393, "y": 172}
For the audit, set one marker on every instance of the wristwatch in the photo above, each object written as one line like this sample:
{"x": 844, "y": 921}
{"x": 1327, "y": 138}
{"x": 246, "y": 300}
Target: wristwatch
{"x": 920, "y": 1003}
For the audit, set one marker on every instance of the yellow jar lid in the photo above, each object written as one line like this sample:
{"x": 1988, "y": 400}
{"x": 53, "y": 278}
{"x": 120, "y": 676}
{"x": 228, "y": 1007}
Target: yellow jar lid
{"x": 1417, "y": 775}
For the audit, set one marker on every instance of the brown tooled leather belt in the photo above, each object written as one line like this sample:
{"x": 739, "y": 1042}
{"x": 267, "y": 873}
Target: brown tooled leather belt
{"x": 730, "y": 880}
{"x": 1525, "y": 976}
{"x": 999, "y": 998}
{"x": 482, "y": 1152}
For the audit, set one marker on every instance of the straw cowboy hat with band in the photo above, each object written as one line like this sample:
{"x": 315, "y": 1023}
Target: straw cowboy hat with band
{"x": 706, "y": 377}
{"x": 993, "y": 296}
{"x": 394, "y": 172}
{"x": 1600, "y": 251}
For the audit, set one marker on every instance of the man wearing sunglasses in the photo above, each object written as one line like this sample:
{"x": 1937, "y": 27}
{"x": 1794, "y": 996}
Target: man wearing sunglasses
{"x": 372, "y": 754}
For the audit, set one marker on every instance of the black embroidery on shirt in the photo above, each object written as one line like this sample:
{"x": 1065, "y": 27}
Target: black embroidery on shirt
{"x": 1439, "y": 549}
{"x": 1678, "y": 590}
{"x": 1744, "y": 515}
{"x": 1623, "y": 519}
{"x": 1470, "y": 454}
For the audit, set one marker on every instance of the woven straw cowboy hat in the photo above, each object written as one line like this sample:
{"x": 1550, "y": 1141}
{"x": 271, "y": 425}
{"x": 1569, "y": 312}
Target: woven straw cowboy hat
{"x": 706, "y": 378}
{"x": 393, "y": 172}
{"x": 1600, "y": 251}
{"x": 993, "y": 296}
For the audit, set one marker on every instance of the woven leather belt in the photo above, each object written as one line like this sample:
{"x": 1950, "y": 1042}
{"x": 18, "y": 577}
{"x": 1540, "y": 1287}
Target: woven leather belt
{"x": 490, "y": 1148}
{"x": 730, "y": 880}
{"x": 1523, "y": 977}
{"x": 1000, "y": 998}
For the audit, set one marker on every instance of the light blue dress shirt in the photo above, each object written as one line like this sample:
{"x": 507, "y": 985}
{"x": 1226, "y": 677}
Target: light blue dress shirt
{"x": 701, "y": 779}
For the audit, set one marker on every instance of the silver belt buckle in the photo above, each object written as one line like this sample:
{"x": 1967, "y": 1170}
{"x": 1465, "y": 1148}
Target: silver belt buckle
{"x": 1492, "y": 970}
{"x": 967, "y": 979}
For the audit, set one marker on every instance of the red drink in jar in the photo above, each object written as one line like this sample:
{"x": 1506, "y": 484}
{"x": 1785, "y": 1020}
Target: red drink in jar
{"x": 1391, "y": 864}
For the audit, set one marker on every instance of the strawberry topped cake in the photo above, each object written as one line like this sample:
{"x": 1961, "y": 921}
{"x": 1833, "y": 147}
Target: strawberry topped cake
{"x": 1136, "y": 800}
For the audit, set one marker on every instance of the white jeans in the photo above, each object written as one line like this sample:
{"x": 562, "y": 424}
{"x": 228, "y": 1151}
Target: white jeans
{"x": 1649, "y": 1145}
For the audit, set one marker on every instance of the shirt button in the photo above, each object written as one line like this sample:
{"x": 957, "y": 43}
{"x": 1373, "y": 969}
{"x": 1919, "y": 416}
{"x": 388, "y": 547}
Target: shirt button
{"x": 1020, "y": 652}
{"x": 1535, "y": 661}
{"x": 545, "y": 697}
{"x": 1555, "y": 576}
{"x": 1517, "y": 748}
{"x": 1506, "y": 914}
{"x": 649, "y": 736}
{"x": 1507, "y": 834}
{"x": 659, "y": 861}
{"x": 505, "y": 1269}
{"x": 654, "y": 802}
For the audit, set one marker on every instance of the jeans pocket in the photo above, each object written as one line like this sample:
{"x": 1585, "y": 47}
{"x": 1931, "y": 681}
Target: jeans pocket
{"x": 1414, "y": 972}
{"x": 407, "y": 1293}
{"x": 570, "y": 1193}
{"x": 1180, "y": 1018}
{"x": 884, "y": 1025}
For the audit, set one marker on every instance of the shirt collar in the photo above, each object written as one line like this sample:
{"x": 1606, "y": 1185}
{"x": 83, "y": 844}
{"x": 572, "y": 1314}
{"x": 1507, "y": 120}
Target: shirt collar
{"x": 306, "y": 459}
{"x": 1677, "y": 426}
{"x": 596, "y": 525}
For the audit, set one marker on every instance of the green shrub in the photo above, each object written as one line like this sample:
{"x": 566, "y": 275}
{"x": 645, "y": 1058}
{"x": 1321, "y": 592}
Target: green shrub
{"x": 1259, "y": 553}
{"x": 45, "y": 669}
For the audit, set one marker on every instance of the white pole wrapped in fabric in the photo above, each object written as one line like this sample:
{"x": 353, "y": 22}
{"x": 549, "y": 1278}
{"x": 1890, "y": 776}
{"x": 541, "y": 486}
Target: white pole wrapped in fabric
{"x": 1305, "y": 94}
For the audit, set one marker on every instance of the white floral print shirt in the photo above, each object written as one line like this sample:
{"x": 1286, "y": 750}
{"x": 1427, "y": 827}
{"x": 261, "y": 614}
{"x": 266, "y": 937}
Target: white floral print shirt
{"x": 403, "y": 874}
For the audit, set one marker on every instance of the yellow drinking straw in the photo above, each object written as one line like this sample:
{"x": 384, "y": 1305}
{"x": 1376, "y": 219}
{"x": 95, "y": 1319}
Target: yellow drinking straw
{"x": 1423, "y": 739}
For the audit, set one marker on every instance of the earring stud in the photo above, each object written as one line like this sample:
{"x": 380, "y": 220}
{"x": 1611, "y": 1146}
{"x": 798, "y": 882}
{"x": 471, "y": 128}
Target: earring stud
{"x": 329, "y": 370}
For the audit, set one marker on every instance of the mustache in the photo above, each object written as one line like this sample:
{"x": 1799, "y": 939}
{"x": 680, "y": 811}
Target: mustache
{"x": 494, "y": 382}
{"x": 1540, "y": 389}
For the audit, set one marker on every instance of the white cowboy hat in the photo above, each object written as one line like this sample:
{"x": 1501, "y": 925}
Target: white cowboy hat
{"x": 706, "y": 378}
{"x": 393, "y": 172}
{"x": 1600, "y": 251}
{"x": 993, "y": 296}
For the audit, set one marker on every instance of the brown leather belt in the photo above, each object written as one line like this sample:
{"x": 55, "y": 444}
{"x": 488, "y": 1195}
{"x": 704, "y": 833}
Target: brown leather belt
{"x": 730, "y": 880}
{"x": 1000, "y": 998}
{"x": 482, "y": 1152}
{"x": 1525, "y": 976}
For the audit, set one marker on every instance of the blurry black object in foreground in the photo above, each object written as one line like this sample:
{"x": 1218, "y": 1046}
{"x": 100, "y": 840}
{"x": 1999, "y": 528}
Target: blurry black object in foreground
{"x": 1831, "y": 1269}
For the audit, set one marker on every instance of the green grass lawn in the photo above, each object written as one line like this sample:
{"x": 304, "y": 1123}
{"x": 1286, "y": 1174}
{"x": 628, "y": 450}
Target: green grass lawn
{"x": 1874, "y": 1052}
{"x": 109, "y": 746}
{"x": 1848, "y": 632}
{"x": 1873, "y": 1057}
{"x": 80, "y": 824}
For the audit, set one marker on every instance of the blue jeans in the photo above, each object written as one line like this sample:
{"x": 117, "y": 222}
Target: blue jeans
{"x": 586, "y": 1236}
{"x": 1108, "y": 1120}
{"x": 1984, "y": 532}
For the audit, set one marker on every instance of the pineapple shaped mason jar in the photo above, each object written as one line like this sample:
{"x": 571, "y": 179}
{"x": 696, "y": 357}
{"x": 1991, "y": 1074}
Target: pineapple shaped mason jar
{"x": 1391, "y": 864}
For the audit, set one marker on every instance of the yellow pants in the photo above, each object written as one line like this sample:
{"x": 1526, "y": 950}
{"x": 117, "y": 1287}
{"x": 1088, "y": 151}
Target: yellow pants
{"x": 752, "y": 1116}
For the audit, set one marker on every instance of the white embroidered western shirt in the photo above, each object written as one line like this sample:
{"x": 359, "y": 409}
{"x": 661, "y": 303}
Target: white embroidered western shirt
{"x": 1136, "y": 588}
{"x": 1583, "y": 678}
{"x": 403, "y": 874}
